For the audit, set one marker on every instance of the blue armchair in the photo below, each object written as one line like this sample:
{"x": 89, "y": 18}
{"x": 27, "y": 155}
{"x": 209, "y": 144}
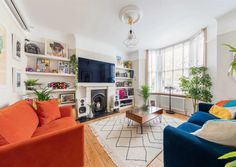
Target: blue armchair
{"x": 182, "y": 149}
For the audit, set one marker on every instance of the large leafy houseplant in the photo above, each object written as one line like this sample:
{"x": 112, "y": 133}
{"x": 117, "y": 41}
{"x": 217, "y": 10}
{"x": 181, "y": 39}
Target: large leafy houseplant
{"x": 197, "y": 86}
{"x": 228, "y": 156}
{"x": 42, "y": 95}
{"x": 232, "y": 68}
{"x": 144, "y": 92}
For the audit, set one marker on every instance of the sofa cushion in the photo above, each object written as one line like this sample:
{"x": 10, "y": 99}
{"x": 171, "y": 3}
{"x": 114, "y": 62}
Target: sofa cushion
{"x": 55, "y": 125}
{"x": 189, "y": 127}
{"x": 219, "y": 131}
{"x": 200, "y": 118}
{"x": 227, "y": 113}
{"x": 18, "y": 122}
{"x": 48, "y": 111}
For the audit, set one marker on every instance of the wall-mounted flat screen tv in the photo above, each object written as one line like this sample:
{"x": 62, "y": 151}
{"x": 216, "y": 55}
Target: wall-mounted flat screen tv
{"x": 95, "y": 71}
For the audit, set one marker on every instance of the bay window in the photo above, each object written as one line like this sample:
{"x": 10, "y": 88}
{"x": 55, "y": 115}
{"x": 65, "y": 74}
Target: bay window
{"x": 167, "y": 65}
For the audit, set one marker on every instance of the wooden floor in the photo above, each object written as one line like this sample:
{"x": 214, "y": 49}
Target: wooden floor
{"x": 96, "y": 156}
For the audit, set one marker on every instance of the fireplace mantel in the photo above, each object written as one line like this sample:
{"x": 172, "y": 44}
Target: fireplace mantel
{"x": 82, "y": 84}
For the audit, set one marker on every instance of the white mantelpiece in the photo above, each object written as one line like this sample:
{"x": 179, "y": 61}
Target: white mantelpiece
{"x": 84, "y": 91}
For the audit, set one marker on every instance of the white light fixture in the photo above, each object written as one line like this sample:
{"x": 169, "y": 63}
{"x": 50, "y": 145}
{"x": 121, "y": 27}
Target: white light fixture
{"x": 130, "y": 15}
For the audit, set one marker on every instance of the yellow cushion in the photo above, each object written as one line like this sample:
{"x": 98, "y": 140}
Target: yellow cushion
{"x": 221, "y": 112}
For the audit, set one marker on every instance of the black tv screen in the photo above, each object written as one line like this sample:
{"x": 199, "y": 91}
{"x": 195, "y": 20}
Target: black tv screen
{"x": 95, "y": 71}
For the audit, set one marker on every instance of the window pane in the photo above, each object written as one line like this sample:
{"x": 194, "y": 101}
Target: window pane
{"x": 178, "y": 57}
{"x": 186, "y": 54}
{"x": 168, "y": 59}
{"x": 168, "y": 78}
{"x": 177, "y": 74}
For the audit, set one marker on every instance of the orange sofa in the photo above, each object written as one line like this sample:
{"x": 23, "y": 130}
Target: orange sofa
{"x": 23, "y": 143}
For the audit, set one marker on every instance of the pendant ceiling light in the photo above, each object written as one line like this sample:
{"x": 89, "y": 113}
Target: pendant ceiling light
{"x": 130, "y": 15}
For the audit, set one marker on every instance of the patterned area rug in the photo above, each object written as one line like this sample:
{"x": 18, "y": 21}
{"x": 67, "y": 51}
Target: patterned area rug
{"x": 126, "y": 145}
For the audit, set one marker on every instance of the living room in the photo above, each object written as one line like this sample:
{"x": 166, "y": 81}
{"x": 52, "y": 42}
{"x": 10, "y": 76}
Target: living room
{"x": 117, "y": 83}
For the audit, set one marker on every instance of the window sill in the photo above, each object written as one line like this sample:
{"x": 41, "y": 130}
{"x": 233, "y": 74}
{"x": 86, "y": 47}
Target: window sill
{"x": 167, "y": 94}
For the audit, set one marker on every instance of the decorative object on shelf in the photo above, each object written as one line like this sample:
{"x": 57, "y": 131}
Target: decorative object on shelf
{"x": 42, "y": 95}
{"x": 170, "y": 88}
{"x": 144, "y": 92}
{"x": 152, "y": 103}
{"x": 67, "y": 98}
{"x": 119, "y": 61}
{"x": 17, "y": 47}
{"x": 31, "y": 83}
{"x": 130, "y": 15}
{"x": 232, "y": 69}
{"x": 54, "y": 71}
{"x": 58, "y": 49}
{"x": 58, "y": 85}
{"x": 34, "y": 47}
{"x": 17, "y": 80}
{"x": 128, "y": 64}
{"x": 197, "y": 86}
{"x": 3, "y": 56}
{"x": 42, "y": 65}
{"x": 63, "y": 67}
{"x": 29, "y": 69}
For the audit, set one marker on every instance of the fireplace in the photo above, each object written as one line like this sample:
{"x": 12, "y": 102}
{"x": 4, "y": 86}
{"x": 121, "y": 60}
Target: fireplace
{"x": 99, "y": 101}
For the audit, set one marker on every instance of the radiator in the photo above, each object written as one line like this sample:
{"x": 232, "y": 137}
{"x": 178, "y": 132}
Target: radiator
{"x": 177, "y": 103}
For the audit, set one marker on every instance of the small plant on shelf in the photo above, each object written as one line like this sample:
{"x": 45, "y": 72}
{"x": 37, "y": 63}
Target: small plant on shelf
{"x": 30, "y": 83}
{"x": 144, "y": 92}
{"x": 42, "y": 95}
{"x": 73, "y": 64}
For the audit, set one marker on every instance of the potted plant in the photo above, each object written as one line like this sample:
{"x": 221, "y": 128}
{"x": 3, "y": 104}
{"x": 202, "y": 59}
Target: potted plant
{"x": 232, "y": 68}
{"x": 30, "y": 83}
{"x": 144, "y": 92}
{"x": 42, "y": 95}
{"x": 73, "y": 65}
{"x": 229, "y": 155}
{"x": 197, "y": 86}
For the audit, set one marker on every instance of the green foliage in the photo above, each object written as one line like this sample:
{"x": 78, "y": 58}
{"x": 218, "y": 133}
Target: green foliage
{"x": 73, "y": 64}
{"x": 227, "y": 156}
{"x": 31, "y": 82}
{"x": 232, "y": 68}
{"x": 42, "y": 95}
{"x": 144, "y": 92}
{"x": 197, "y": 86}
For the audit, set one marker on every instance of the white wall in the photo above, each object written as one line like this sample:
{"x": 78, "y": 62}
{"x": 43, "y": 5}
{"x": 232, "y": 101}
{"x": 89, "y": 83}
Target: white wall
{"x": 8, "y": 96}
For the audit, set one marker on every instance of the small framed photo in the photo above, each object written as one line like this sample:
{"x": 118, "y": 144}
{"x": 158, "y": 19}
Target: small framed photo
{"x": 152, "y": 103}
{"x": 63, "y": 67}
{"x": 17, "y": 47}
{"x": 17, "y": 80}
{"x": 54, "y": 48}
{"x": 67, "y": 98}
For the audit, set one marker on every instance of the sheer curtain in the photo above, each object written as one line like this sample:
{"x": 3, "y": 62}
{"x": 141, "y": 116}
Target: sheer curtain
{"x": 167, "y": 65}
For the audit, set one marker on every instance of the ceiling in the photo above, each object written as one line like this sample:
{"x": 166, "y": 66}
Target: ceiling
{"x": 164, "y": 21}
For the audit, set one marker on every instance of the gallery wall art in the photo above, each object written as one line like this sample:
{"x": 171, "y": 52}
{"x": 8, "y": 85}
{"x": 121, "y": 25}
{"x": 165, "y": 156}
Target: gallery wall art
{"x": 17, "y": 47}
{"x": 3, "y": 56}
{"x": 58, "y": 49}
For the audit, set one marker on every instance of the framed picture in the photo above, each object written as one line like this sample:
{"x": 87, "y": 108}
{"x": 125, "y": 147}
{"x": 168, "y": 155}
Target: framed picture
{"x": 63, "y": 67}
{"x": 152, "y": 102}
{"x": 54, "y": 48}
{"x": 3, "y": 57}
{"x": 42, "y": 65}
{"x": 17, "y": 47}
{"x": 67, "y": 98}
{"x": 34, "y": 47}
{"x": 17, "y": 80}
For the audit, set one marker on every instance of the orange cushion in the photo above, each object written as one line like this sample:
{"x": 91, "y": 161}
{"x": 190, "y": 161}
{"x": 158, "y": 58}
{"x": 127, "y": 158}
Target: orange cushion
{"x": 222, "y": 103}
{"x": 48, "y": 111}
{"x": 18, "y": 122}
{"x": 55, "y": 125}
{"x": 3, "y": 141}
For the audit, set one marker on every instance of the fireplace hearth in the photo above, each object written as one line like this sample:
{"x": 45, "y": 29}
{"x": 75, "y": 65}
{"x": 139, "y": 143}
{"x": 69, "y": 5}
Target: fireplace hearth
{"x": 99, "y": 101}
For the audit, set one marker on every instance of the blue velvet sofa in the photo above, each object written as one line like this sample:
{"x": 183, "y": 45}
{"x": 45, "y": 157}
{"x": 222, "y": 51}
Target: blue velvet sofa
{"x": 182, "y": 149}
